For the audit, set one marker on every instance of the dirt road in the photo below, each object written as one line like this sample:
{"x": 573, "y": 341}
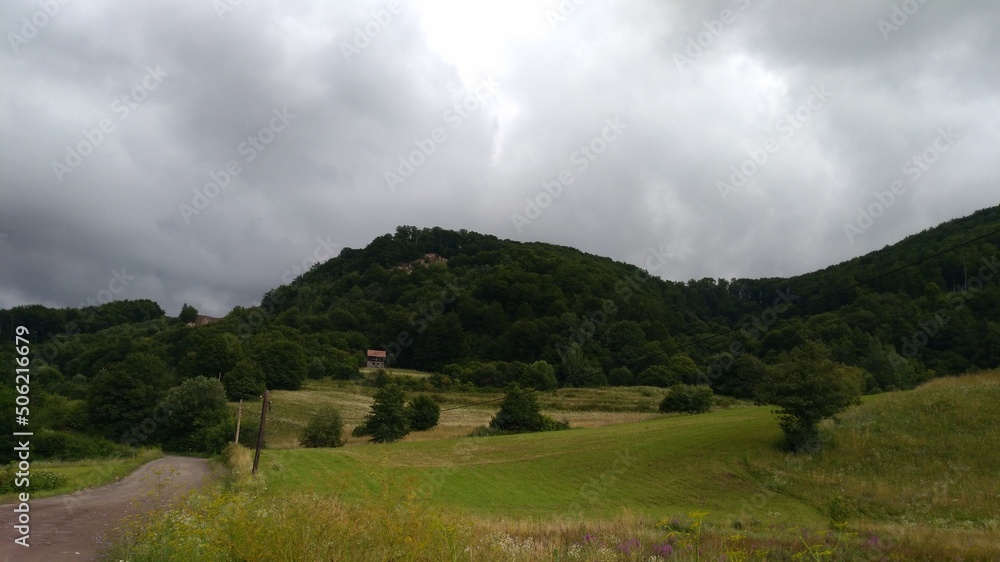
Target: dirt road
{"x": 67, "y": 528}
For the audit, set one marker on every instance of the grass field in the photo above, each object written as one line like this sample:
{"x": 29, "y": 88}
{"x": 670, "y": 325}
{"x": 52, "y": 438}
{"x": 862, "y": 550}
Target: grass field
{"x": 89, "y": 473}
{"x": 290, "y": 410}
{"x": 905, "y": 476}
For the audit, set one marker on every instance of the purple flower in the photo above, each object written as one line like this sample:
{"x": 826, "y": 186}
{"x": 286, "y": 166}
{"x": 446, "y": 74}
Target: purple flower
{"x": 629, "y": 546}
{"x": 663, "y": 550}
{"x": 588, "y": 538}
{"x": 873, "y": 541}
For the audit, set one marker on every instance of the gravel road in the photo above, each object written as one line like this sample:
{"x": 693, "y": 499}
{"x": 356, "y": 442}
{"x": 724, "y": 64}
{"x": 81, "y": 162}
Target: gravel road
{"x": 67, "y": 528}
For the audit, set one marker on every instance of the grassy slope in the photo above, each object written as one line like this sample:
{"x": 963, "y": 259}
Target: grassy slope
{"x": 89, "y": 473}
{"x": 927, "y": 457}
{"x": 658, "y": 467}
{"x": 582, "y": 407}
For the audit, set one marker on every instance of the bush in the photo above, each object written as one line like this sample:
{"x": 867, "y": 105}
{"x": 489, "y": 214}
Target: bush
{"x": 658, "y": 375}
{"x": 692, "y": 399}
{"x": 519, "y": 413}
{"x": 344, "y": 371}
{"x": 325, "y": 429}
{"x": 423, "y": 413}
{"x": 69, "y": 446}
{"x": 388, "y": 419}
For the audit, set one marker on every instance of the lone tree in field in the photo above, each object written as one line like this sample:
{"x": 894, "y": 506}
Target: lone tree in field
{"x": 423, "y": 413}
{"x": 388, "y": 420}
{"x": 519, "y": 413}
{"x": 806, "y": 388}
{"x": 325, "y": 429}
{"x": 690, "y": 399}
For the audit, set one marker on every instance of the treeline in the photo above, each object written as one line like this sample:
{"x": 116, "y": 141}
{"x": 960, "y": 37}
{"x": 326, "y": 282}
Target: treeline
{"x": 480, "y": 311}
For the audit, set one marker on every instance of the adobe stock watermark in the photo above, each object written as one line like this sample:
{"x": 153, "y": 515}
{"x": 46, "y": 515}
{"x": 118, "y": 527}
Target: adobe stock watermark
{"x": 580, "y": 160}
{"x": 122, "y": 106}
{"x": 454, "y": 116}
{"x": 931, "y": 326}
{"x": 324, "y": 250}
{"x": 365, "y": 34}
{"x": 32, "y": 25}
{"x": 118, "y": 282}
{"x": 914, "y": 169}
{"x": 787, "y": 126}
{"x": 563, "y": 11}
{"x": 754, "y": 331}
{"x": 900, "y": 16}
{"x": 696, "y": 45}
{"x": 249, "y": 149}
{"x": 426, "y": 313}
{"x": 587, "y": 328}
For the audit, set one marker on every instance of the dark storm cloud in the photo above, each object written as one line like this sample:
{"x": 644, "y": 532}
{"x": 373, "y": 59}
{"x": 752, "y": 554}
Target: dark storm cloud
{"x": 736, "y": 138}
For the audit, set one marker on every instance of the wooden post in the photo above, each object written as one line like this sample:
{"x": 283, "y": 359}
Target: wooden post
{"x": 239, "y": 416}
{"x": 260, "y": 433}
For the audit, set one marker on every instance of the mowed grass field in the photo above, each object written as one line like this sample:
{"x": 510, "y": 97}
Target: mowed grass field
{"x": 461, "y": 411}
{"x": 925, "y": 458}
{"x": 658, "y": 467}
{"x": 905, "y": 476}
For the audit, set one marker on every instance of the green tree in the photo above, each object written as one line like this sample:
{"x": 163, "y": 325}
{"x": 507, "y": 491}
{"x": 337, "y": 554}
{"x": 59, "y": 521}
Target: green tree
{"x": 325, "y": 429}
{"x": 423, "y": 413}
{"x": 806, "y": 388}
{"x": 244, "y": 381}
{"x": 283, "y": 363}
{"x": 658, "y": 375}
{"x": 388, "y": 420}
{"x": 540, "y": 375}
{"x": 122, "y": 397}
{"x": 691, "y": 399}
{"x": 519, "y": 412}
{"x": 188, "y": 313}
{"x": 620, "y": 376}
{"x": 194, "y": 417}
{"x": 210, "y": 356}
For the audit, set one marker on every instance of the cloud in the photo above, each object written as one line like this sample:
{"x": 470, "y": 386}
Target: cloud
{"x": 374, "y": 85}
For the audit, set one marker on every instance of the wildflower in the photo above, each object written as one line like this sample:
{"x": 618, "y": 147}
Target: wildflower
{"x": 663, "y": 550}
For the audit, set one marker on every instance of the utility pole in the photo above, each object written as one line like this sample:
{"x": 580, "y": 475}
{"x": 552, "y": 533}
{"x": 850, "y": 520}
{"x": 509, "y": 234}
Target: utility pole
{"x": 260, "y": 432}
{"x": 239, "y": 416}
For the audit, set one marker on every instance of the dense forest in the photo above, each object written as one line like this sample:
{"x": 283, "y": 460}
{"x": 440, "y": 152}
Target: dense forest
{"x": 484, "y": 312}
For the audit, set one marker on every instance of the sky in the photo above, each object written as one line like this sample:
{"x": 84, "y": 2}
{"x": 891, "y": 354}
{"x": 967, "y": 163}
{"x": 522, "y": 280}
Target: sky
{"x": 207, "y": 151}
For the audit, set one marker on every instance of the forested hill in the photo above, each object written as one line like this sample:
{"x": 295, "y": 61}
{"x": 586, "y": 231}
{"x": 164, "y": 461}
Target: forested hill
{"x": 482, "y": 310}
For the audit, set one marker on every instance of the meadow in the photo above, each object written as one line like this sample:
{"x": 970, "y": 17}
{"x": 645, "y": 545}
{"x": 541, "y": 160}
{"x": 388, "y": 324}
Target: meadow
{"x": 905, "y": 476}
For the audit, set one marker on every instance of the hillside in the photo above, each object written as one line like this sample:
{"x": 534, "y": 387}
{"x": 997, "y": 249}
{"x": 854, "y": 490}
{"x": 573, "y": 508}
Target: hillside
{"x": 478, "y": 311}
{"x": 908, "y": 475}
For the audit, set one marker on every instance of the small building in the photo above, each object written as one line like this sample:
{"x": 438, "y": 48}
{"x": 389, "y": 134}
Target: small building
{"x": 376, "y": 359}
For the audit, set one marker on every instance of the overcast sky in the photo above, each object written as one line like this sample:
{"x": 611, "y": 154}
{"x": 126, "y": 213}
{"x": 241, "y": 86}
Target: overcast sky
{"x": 204, "y": 151}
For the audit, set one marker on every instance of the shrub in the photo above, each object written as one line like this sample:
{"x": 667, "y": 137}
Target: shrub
{"x": 423, "y": 413}
{"x": 519, "y": 413}
{"x": 325, "y": 429}
{"x": 658, "y": 375}
{"x": 69, "y": 446}
{"x": 692, "y": 399}
{"x": 387, "y": 420}
{"x": 620, "y": 376}
{"x": 345, "y": 371}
